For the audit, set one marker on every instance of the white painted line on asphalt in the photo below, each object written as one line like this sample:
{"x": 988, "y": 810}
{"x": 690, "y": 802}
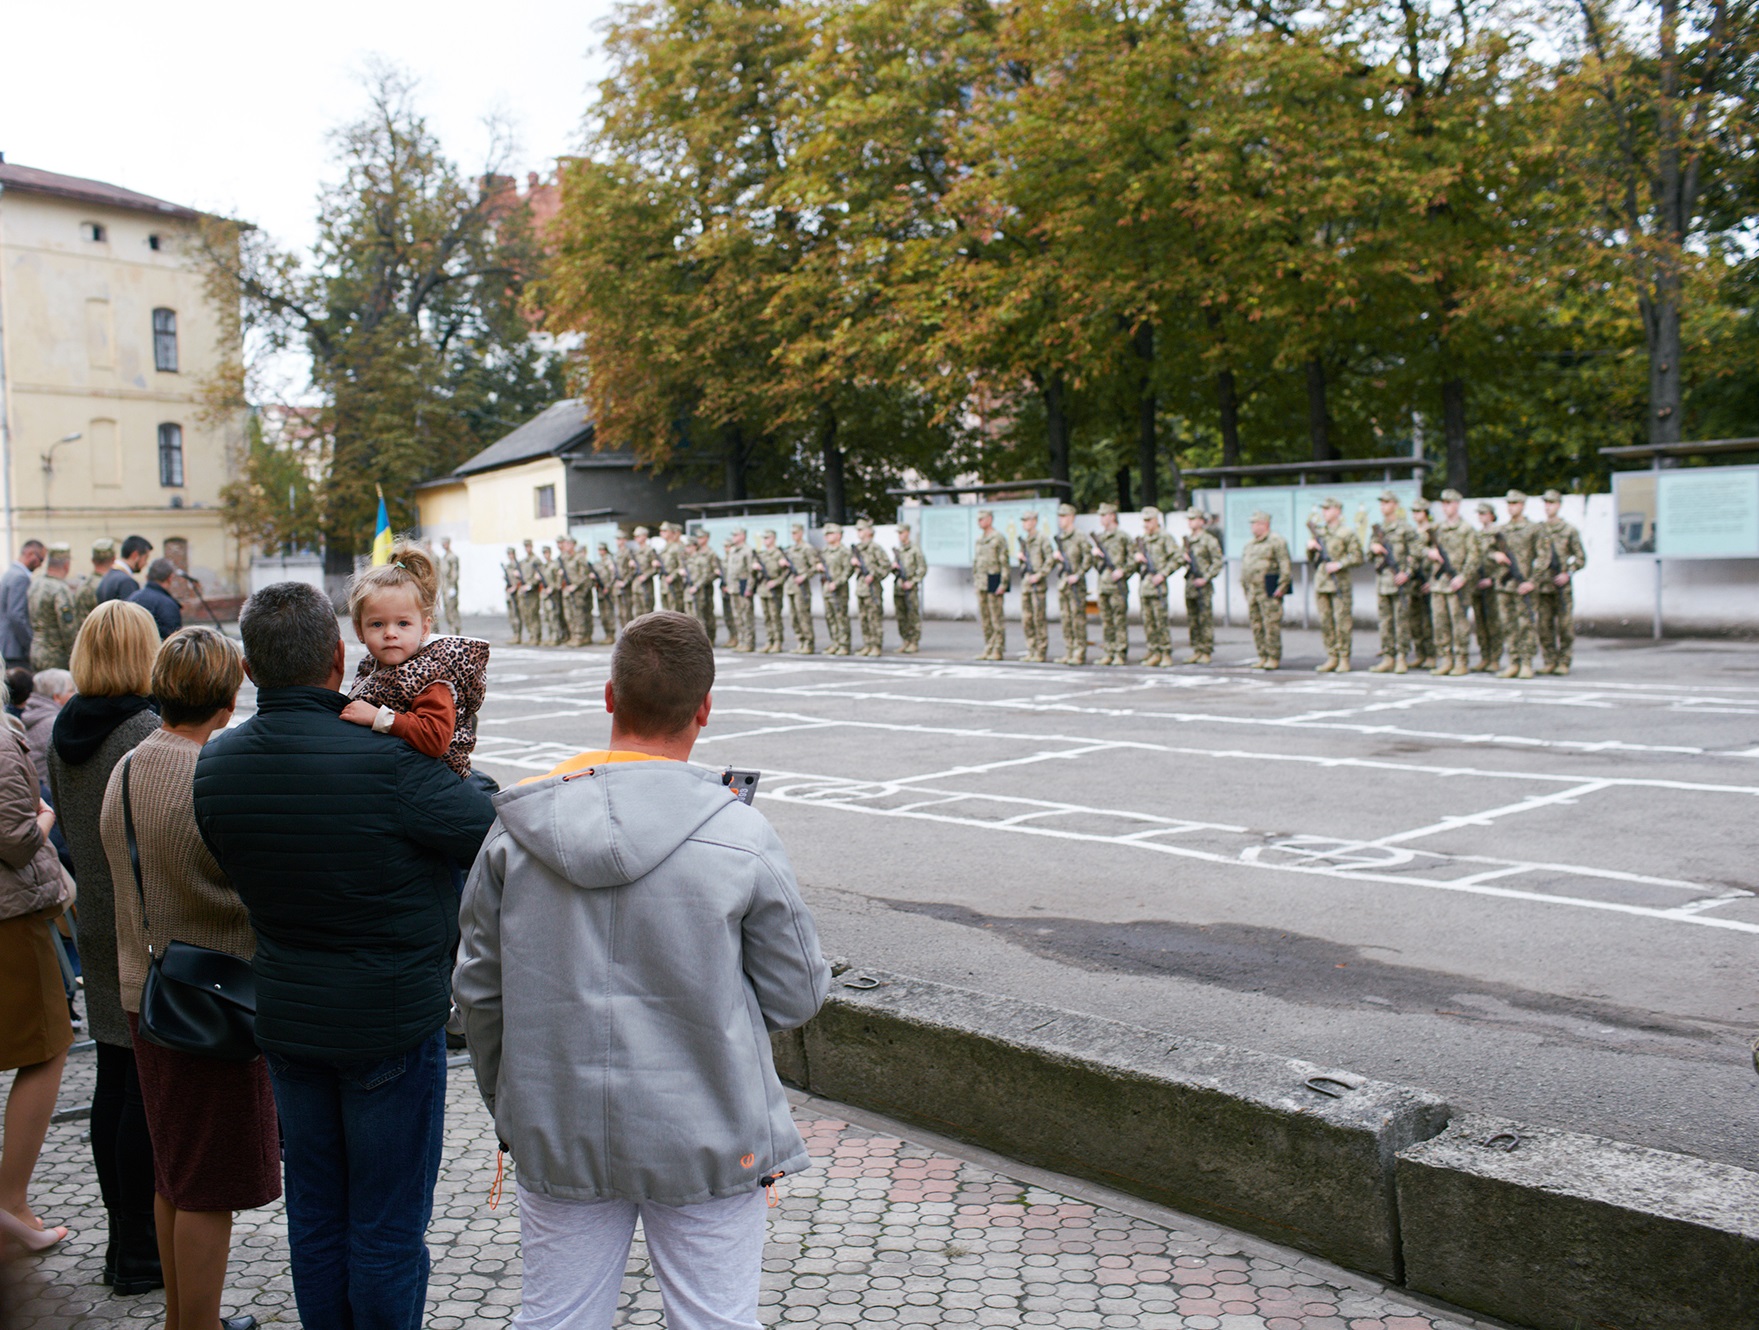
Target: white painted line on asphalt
{"x": 1489, "y": 816}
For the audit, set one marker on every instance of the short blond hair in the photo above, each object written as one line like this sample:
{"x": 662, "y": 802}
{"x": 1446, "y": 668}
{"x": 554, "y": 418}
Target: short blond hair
{"x": 113, "y": 654}
{"x": 196, "y": 673}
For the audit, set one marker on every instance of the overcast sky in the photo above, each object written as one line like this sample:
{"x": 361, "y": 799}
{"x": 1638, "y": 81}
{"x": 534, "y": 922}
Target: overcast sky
{"x": 225, "y": 106}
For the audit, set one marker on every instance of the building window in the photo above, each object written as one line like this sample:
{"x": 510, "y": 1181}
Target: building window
{"x": 171, "y": 455}
{"x": 546, "y": 500}
{"x": 153, "y": 241}
{"x": 165, "y": 340}
{"x": 94, "y": 231}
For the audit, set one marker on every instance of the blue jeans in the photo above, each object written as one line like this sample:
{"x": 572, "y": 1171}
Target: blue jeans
{"x": 362, "y": 1150}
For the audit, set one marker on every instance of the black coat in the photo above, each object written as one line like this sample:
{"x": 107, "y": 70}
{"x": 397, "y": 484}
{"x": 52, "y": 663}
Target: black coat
{"x": 340, "y": 842}
{"x": 162, "y": 605}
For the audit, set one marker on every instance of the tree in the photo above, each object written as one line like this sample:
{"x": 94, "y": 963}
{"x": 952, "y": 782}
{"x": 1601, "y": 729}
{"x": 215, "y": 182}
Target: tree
{"x": 410, "y": 310}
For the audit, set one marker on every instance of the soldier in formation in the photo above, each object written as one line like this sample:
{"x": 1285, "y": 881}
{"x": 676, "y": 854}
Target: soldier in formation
{"x": 1037, "y": 559}
{"x": 1203, "y": 564}
{"x": 1517, "y": 547}
{"x": 1393, "y": 548}
{"x": 701, "y": 570}
{"x": 836, "y": 567}
{"x": 1422, "y": 615}
{"x": 577, "y": 592}
{"x": 1452, "y": 552}
{"x": 870, "y": 588}
{"x": 989, "y": 578}
{"x": 1484, "y": 607}
{"x": 739, "y": 582}
{"x": 446, "y": 565}
{"x": 550, "y": 602}
{"x": 1334, "y": 550}
{"x": 1113, "y": 563}
{"x": 1267, "y": 574}
{"x": 803, "y": 565}
{"x": 771, "y": 570}
{"x": 1158, "y": 557}
{"x": 1072, "y": 564}
{"x": 909, "y": 568}
{"x": 513, "y": 574}
{"x": 674, "y": 577}
{"x": 1554, "y": 593}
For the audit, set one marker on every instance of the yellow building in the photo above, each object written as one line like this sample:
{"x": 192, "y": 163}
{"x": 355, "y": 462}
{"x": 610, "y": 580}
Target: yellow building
{"x": 107, "y": 337}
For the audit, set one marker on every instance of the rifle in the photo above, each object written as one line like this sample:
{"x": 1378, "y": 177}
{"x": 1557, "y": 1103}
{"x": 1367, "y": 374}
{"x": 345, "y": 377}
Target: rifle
{"x": 1147, "y": 558}
{"x": 1503, "y": 548}
{"x": 861, "y": 563}
{"x": 1321, "y": 555}
{"x": 1384, "y": 564}
{"x": 1106, "y": 558}
{"x": 1026, "y": 556}
{"x": 511, "y": 576}
{"x": 1447, "y": 564}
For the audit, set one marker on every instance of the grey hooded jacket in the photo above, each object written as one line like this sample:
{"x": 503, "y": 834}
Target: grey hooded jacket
{"x": 630, "y": 934}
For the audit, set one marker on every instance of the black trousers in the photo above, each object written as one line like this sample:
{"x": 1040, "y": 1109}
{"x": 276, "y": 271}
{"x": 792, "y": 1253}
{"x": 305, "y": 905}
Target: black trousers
{"x": 123, "y": 1154}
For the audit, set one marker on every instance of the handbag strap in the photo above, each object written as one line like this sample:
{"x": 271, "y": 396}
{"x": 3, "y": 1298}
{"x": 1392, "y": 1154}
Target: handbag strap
{"x": 134, "y": 852}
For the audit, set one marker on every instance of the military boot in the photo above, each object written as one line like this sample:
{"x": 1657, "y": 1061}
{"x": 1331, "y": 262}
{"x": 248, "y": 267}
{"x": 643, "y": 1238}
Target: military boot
{"x": 1399, "y": 667}
{"x": 1385, "y": 666}
{"x": 1525, "y": 672}
{"x": 1331, "y": 663}
{"x": 1510, "y": 670}
{"x": 1563, "y": 668}
{"x": 1443, "y": 665}
{"x": 1343, "y": 665}
{"x": 1459, "y": 667}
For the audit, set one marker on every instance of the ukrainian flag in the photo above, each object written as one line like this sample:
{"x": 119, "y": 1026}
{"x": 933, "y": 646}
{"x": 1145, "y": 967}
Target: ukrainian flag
{"x": 382, "y": 534}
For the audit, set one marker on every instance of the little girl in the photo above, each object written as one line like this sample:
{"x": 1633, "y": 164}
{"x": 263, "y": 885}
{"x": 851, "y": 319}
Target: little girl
{"x": 423, "y": 690}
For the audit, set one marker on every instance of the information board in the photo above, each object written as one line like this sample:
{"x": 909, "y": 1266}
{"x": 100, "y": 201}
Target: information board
{"x": 587, "y": 535}
{"x": 947, "y": 534}
{"x": 1237, "y": 516}
{"x": 1633, "y": 501}
{"x": 1290, "y": 506}
{"x": 1707, "y": 513}
{"x": 719, "y": 528}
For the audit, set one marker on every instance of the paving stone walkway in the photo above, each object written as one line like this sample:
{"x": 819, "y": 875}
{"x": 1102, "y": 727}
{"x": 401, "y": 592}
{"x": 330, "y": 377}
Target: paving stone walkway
{"x": 887, "y": 1231}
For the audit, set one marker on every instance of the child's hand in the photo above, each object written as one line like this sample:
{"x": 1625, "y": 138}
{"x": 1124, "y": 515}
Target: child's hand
{"x": 360, "y": 713}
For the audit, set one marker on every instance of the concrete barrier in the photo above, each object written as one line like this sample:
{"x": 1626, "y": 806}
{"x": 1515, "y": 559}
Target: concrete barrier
{"x": 1295, "y": 1152}
{"x": 1562, "y": 1232}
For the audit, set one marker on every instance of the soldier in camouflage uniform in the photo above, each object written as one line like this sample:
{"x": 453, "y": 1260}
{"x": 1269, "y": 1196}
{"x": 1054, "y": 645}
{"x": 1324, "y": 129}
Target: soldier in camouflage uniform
{"x": 1158, "y": 557}
{"x": 550, "y": 603}
{"x": 1335, "y": 550}
{"x": 643, "y": 566}
{"x": 50, "y": 604}
{"x": 837, "y": 566}
{"x": 1073, "y": 561}
{"x": 674, "y": 555}
{"x": 771, "y": 571}
{"x": 870, "y": 589}
{"x": 1422, "y": 623}
{"x": 1203, "y": 564}
{"x": 513, "y": 573}
{"x": 531, "y": 576}
{"x": 909, "y": 567}
{"x": 727, "y": 613}
{"x": 1453, "y": 556}
{"x": 1113, "y": 562}
{"x": 1555, "y": 595}
{"x": 575, "y": 594}
{"x": 446, "y": 565}
{"x": 1394, "y": 548}
{"x": 613, "y": 592}
{"x": 1036, "y": 561}
{"x": 1518, "y": 548}
{"x": 804, "y": 564}
{"x": 702, "y": 569}
{"x": 1267, "y": 575}
{"x": 1484, "y": 594}
{"x": 739, "y": 581}
{"x": 989, "y": 578}
{"x": 85, "y": 595}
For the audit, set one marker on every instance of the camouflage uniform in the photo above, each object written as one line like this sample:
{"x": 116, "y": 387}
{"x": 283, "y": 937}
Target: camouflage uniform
{"x": 1036, "y": 570}
{"x": 645, "y": 565}
{"x": 728, "y": 616}
{"x": 1556, "y": 605}
{"x": 1484, "y": 597}
{"x": 838, "y": 566}
{"x": 1267, "y": 574}
{"x": 1333, "y": 594}
{"x": 772, "y": 574}
{"x": 446, "y": 565}
{"x": 1456, "y": 540}
{"x": 740, "y": 584}
{"x": 1114, "y": 591}
{"x": 989, "y": 578}
{"x": 673, "y": 558}
{"x": 577, "y": 600}
{"x": 1525, "y": 543}
{"x": 700, "y": 569}
{"x": 1399, "y": 539}
{"x": 1203, "y": 558}
{"x": 628, "y": 569}
{"x": 85, "y": 600}
{"x": 870, "y": 591}
{"x": 555, "y": 578}
{"x": 1158, "y": 558}
{"x": 50, "y": 603}
{"x": 513, "y": 573}
{"x": 612, "y": 598}
{"x": 530, "y": 597}
{"x": 806, "y": 565}
{"x": 1422, "y": 624}
{"x": 909, "y": 565}
{"x": 1073, "y": 561}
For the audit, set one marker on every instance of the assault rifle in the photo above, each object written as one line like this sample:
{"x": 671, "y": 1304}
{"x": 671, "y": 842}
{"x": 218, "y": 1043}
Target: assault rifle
{"x": 1105, "y": 558}
{"x": 1147, "y": 558}
{"x": 1447, "y": 564}
{"x": 1384, "y": 563}
{"x": 1321, "y": 555}
{"x": 861, "y": 564}
{"x": 1507, "y": 551}
{"x": 1026, "y": 556}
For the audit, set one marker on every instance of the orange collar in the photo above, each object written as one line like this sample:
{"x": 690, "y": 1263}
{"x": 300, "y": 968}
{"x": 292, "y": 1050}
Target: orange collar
{"x": 599, "y": 757}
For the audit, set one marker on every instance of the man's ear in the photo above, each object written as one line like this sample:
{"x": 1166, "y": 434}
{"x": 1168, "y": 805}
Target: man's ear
{"x": 610, "y": 699}
{"x": 247, "y": 673}
{"x": 701, "y": 717}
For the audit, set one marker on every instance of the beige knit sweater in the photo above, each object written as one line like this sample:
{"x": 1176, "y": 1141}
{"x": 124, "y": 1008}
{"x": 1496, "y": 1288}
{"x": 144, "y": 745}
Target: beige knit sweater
{"x": 188, "y": 897}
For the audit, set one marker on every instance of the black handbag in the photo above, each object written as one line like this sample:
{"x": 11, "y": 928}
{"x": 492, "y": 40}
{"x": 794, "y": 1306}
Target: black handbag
{"x": 195, "y": 1000}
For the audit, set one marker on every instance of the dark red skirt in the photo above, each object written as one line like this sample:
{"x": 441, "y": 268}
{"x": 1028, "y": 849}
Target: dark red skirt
{"x": 216, "y": 1140}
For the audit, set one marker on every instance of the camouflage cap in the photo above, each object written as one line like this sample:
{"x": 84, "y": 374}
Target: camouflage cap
{"x": 905, "y": 529}
{"x": 673, "y": 527}
{"x": 863, "y": 524}
{"x": 60, "y": 550}
{"x": 1514, "y": 496}
{"x": 769, "y": 533}
{"x": 642, "y": 531}
{"x": 1261, "y": 516}
{"x": 738, "y": 531}
{"x": 511, "y": 550}
{"x": 1108, "y": 510}
{"x": 1332, "y": 501}
{"x": 1030, "y": 515}
{"x": 1149, "y": 512}
{"x": 985, "y": 512}
{"x": 1065, "y": 510}
{"x": 1487, "y": 508}
{"x": 1196, "y": 515}
{"x": 605, "y": 547}
{"x": 1388, "y": 496}
{"x": 798, "y": 527}
{"x": 1552, "y": 496}
{"x": 830, "y": 529}
{"x": 103, "y": 548}
{"x": 1451, "y": 496}
{"x": 564, "y": 540}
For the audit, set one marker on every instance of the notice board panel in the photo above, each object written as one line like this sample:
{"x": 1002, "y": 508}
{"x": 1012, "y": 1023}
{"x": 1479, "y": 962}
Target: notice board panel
{"x": 1707, "y": 513}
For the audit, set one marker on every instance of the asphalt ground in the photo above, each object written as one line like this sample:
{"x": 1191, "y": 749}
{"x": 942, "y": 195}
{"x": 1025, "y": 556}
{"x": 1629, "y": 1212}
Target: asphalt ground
{"x": 1536, "y": 898}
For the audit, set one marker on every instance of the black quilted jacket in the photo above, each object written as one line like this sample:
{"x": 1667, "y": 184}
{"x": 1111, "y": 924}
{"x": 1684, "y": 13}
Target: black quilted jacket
{"x": 340, "y": 842}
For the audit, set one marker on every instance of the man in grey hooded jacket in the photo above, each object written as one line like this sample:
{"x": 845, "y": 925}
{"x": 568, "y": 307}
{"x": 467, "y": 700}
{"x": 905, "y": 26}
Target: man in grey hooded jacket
{"x": 631, "y": 933}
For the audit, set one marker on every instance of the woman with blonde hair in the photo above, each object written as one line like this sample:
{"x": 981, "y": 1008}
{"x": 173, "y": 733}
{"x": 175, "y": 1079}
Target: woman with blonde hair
{"x": 216, "y": 1147}
{"x": 111, "y": 711}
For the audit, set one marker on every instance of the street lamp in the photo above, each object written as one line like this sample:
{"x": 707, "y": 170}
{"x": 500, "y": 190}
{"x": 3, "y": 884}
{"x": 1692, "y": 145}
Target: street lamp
{"x": 49, "y": 470}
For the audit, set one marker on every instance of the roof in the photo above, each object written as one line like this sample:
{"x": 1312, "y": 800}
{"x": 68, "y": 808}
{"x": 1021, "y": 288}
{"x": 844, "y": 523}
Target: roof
{"x": 30, "y": 180}
{"x": 552, "y": 432}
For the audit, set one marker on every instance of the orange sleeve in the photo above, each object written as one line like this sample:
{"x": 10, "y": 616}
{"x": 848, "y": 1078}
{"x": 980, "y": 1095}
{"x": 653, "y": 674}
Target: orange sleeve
{"x": 430, "y": 721}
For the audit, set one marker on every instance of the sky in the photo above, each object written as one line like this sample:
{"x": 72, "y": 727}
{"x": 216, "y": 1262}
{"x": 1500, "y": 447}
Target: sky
{"x": 226, "y": 106}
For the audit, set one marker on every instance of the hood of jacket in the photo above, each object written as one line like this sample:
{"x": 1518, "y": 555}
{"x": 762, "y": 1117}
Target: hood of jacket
{"x": 85, "y": 722}
{"x": 596, "y": 833}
